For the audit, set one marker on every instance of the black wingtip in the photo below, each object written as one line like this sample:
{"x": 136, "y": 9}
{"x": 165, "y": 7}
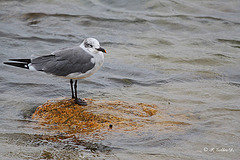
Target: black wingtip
{"x": 21, "y": 60}
{"x": 21, "y": 65}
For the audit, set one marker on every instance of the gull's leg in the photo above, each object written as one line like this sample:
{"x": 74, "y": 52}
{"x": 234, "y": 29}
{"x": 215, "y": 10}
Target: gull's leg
{"x": 78, "y": 100}
{"x": 75, "y": 88}
{"x": 71, "y": 83}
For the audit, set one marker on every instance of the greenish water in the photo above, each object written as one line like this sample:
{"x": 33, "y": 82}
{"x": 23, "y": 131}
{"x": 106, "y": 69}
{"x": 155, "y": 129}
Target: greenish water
{"x": 181, "y": 55}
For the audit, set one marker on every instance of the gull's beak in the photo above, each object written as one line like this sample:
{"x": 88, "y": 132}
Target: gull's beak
{"x": 101, "y": 49}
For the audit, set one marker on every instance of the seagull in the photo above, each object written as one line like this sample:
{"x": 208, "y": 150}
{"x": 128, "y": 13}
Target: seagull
{"x": 72, "y": 63}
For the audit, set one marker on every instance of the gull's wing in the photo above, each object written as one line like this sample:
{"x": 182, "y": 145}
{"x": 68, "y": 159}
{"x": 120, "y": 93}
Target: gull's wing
{"x": 64, "y": 62}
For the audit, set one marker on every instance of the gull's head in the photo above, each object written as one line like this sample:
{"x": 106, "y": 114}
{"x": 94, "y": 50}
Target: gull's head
{"x": 92, "y": 45}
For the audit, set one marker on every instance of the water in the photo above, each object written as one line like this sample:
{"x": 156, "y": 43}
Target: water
{"x": 181, "y": 55}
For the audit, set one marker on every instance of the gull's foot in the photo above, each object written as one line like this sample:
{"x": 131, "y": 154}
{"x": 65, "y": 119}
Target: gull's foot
{"x": 80, "y": 102}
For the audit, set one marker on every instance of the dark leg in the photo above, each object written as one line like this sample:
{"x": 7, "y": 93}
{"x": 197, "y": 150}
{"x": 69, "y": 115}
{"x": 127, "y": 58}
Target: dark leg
{"x": 71, "y": 83}
{"x": 75, "y": 88}
{"x": 78, "y": 100}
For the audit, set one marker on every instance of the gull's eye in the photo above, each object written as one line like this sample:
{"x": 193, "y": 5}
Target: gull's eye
{"x": 87, "y": 45}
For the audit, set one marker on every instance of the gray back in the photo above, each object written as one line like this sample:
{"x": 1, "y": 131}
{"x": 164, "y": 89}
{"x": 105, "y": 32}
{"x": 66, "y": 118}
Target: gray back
{"x": 64, "y": 62}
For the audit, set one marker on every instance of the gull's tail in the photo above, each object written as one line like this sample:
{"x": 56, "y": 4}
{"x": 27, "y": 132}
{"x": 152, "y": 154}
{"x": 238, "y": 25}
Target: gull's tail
{"x": 22, "y": 63}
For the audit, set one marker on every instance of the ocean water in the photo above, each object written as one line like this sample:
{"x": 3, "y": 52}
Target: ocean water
{"x": 183, "y": 56}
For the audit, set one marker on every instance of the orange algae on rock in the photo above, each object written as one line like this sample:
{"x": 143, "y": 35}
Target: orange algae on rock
{"x": 67, "y": 117}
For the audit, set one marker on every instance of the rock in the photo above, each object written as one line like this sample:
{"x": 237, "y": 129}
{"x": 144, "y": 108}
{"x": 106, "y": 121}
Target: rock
{"x": 65, "y": 116}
